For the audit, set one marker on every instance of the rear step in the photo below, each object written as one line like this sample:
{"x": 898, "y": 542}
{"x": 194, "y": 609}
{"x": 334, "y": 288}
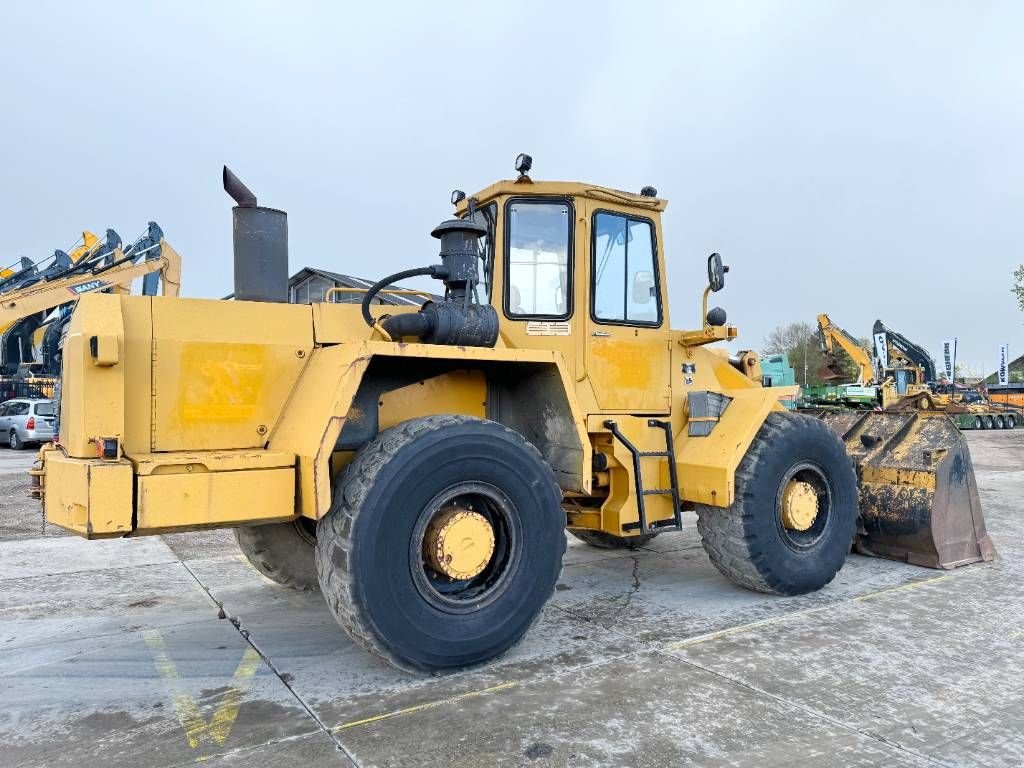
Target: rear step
{"x": 676, "y": 522}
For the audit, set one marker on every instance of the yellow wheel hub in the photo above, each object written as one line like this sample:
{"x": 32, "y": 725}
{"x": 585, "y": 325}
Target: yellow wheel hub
{"x": 799, "y": 505}
{"x": 458, "y": 543}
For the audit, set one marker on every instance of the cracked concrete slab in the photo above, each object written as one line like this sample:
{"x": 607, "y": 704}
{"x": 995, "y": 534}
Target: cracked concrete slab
{"x": 298, "y": 632}
{"x": 36, "y": 612}
{"x": 642, "y": 711}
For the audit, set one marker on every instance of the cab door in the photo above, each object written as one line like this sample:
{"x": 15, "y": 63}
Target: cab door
{"x": 628, "y": 353}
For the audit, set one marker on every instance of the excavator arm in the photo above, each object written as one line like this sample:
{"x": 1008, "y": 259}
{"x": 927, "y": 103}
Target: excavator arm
{"x": 31, "y": 295}
{"x": 831, "y": 335}
{"x": 116, "y": 275}
{"x": 894, "y": 350}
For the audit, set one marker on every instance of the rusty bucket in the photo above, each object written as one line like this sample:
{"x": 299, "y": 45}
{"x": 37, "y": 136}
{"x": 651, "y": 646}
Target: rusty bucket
{"x": 918, "y": 495}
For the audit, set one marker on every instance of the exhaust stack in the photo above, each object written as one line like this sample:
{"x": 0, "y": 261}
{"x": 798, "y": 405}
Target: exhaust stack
{"x": 260, "y": 237}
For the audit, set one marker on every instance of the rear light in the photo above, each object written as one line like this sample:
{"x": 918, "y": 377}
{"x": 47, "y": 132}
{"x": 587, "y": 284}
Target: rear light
{"x": 31, "y": 423}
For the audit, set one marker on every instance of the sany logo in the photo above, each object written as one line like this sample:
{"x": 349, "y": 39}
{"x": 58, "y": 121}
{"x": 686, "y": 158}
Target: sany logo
{"x": 89, "y": 287}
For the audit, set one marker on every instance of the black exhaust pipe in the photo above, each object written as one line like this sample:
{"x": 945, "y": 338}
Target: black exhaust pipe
{"x": 260, "y": 238}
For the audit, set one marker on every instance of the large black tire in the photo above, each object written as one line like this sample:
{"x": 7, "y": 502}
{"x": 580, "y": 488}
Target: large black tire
{"x": 1011, "y": 421}
{"x": 283, "y": 552}
{"x": 604, "y": 540}
{"x": 748, "y": 542}
{"x": 369, "y": 553}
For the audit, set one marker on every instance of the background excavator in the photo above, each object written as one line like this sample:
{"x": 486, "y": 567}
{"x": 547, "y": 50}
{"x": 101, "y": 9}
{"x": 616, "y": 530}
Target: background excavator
{"x": 912, "y": 373}
{"x": 866, "y": 392}
{"x": 36, "y": 300}
{"x": 908, "y": 364}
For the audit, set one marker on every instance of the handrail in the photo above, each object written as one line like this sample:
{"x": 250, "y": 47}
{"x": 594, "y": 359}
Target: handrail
{"x": 391, "y": 291}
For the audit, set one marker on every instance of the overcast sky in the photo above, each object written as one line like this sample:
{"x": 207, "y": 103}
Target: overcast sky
{"x": 863, "y": 159}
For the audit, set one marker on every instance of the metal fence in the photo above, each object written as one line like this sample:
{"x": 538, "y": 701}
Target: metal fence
{"x": 35, "y": 388}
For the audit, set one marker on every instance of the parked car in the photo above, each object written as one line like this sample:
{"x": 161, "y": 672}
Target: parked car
{"x": 24, "y": 421}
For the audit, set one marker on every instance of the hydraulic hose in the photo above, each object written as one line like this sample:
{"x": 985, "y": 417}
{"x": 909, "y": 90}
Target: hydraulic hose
{"x": 381, "y": 284}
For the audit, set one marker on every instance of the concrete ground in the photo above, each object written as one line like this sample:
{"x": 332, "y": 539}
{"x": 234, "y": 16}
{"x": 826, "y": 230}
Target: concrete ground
{"x": 173, "y": 650}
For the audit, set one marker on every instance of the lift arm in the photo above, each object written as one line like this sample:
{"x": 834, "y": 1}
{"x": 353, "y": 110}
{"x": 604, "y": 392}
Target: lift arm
{"x": 831, "y": 335}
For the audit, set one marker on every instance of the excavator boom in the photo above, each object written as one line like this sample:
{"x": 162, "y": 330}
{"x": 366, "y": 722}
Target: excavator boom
{"x": 831, "y": 335}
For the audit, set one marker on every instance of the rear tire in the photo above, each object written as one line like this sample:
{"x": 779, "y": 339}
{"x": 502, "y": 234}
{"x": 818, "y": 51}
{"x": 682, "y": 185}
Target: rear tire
{"x": 1000, "y": 423}
{"x": 604, "y": 540}
{"x": 1011, "y": 422}
{"x": 283, "y": 552}
{"x": 748, "y": 542}
{"x": 372, "y": 547}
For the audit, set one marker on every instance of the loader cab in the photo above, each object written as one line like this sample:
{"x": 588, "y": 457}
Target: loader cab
{"x": 580, "y": 269}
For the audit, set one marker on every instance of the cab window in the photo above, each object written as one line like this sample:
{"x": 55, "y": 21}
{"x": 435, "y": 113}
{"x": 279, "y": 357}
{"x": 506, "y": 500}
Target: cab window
{"x": 624, "y": 270}
{"x": 537, "y": 259}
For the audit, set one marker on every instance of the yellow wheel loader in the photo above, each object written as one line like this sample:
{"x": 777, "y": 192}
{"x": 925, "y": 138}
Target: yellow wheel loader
{"x": 420, "y": 464}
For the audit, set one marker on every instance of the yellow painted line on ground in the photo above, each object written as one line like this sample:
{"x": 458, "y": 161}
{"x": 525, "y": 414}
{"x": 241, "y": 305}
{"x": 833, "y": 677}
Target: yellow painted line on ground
{"x": 742, "y": 628}
{"x": 900, "y": 588}
{"x": 197, "y": 729}
{"x": 796, "y": 614}
{"x": 427, "y": 705}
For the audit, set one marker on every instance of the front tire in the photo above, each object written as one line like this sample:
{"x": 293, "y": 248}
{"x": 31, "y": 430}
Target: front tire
{"x": 758, "y": 542}
{"x": 392, "y": 579}
{"x": 15, "y": 441}
{"x": 283, "y": 552}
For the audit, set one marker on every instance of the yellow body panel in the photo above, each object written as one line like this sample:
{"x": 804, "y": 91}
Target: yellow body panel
{"x": 90, "y": 497}
{"x": 223, "y": 372}
{"x": 462, "y": 392}
{"x": 95, "y": 405}
{"x": 214, "y": 498}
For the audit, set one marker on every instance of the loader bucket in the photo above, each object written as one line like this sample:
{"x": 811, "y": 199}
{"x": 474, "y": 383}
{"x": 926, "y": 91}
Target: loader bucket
{"x": 918, "y": 496}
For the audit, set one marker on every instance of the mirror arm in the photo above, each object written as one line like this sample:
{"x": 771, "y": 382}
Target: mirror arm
{"x": 704, "y": 308}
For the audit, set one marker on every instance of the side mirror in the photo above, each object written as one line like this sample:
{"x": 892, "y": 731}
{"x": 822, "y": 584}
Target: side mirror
{"x": 716, "y": 272}
{"x": 643, "y": 287}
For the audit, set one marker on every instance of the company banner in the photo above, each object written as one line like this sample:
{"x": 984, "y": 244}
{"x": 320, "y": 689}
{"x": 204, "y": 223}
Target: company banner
{"x": 949, "y": 359}
{"x": 1004, "y": 364}
{"x": 881, "y": 353}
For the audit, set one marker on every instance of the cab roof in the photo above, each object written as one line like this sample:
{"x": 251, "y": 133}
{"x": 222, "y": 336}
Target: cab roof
{"x": 527, "y": 186}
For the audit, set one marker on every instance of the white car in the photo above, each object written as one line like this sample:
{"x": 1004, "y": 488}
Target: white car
{"x": 24, "y": 421}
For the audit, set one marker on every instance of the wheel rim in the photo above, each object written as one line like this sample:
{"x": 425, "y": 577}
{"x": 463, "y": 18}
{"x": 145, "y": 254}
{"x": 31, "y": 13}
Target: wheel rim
{"x": 464, "y": 547}
{"x": 803, "y": 506}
